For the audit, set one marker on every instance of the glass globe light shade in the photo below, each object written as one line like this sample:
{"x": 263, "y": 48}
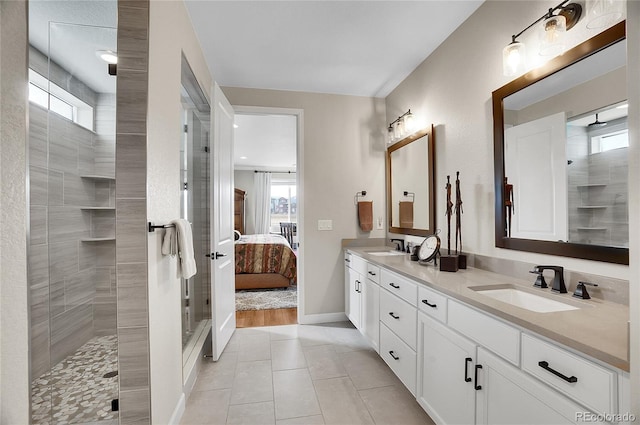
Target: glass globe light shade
{"x": 603, "y": 13}
{"x": 552, "y": 36}
{"x": 513, "y": 59}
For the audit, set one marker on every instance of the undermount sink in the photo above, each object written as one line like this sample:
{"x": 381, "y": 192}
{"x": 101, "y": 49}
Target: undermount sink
{"x": 385, "y": 253}
{"x": 523, "y": 299}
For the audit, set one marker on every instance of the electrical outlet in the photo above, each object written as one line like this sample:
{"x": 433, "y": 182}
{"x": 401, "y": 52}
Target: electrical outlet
{"x": 325, "y": 224}
{"x": 380, "y": 223}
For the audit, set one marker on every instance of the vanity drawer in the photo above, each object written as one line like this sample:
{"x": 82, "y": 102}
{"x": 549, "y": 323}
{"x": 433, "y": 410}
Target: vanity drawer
{"x": 373, "y": 273}
{"x": 399, "y": 316}
{"x": 358, "y": 264}
{"x": 432, "y": 303}
{"x": 399, "y": 286}
{"x": 489, "y": 332}
{"x": 594, "y": 386}
{"x": 399, "y": 356}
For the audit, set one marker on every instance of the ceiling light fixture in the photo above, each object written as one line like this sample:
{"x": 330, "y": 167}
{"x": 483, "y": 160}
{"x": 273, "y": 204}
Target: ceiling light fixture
{"x": 551, "y": 37}
{"x": 400, "y": 127}
{"x": 108, "y": 56}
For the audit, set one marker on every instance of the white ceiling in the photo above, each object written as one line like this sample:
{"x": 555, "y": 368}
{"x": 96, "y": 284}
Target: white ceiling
{"x": 265, "y": 142}
{"x": 363, "y": 48}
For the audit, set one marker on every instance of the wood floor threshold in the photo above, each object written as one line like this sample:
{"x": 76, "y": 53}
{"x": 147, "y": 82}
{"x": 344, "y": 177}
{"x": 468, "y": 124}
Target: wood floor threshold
{"x": 275, "y": 317}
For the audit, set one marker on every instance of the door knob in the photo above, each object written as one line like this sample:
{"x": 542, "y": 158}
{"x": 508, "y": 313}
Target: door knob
{"x": 215, "y": 255}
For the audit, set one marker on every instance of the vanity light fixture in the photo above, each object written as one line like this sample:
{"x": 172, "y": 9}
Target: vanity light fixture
{"x": 400, "y": 127}
{"x": 551, "y": 37}
{"x": 603, "y": 13}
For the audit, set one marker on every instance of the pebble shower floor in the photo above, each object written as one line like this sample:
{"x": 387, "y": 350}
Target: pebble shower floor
{"x": 75, "y": 391}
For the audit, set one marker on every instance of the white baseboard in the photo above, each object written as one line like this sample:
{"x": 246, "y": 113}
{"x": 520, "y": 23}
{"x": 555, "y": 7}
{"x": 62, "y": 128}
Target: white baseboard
{"x": 178, "y": 411}
{"x": 310, "y": 319}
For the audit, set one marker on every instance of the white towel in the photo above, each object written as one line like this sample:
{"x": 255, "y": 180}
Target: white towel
{"x": 187, "y": 261}
{"x": 170, "y": 242}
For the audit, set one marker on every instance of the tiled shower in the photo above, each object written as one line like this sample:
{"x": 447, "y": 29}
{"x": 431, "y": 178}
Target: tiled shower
{"x": 72, "y": 250}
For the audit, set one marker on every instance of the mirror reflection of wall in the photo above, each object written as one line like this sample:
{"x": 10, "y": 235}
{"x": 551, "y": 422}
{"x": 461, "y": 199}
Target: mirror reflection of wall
{"x": 409, "y": 195}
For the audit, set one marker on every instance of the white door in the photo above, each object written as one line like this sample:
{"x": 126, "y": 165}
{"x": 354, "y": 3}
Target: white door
{"x": 536, "y": 166}
{"x": 222, "y": 240}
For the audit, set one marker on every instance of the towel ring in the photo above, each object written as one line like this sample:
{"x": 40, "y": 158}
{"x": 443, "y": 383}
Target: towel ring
{"x": 410, "y": 195}
{"x": 358, "y": 196}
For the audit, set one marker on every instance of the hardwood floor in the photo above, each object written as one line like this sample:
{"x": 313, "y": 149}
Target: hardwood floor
{"x": 254, "y": 318}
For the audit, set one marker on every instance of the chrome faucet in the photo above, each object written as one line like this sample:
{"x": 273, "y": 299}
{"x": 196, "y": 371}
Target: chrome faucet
{"x": 558, "y": 279}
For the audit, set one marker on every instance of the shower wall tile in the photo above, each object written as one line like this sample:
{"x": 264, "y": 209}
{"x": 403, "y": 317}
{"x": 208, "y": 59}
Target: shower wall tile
{"x": 78, "y": 191}
{"x": 133, "y": 21}
{"x": 103, "y": 224}
{"x": 38, "y": 225}
{"x": 79, "y": 289}
{"x": 132, "y": 306}
{"x": 38, "y": 263}
{"x": 56, "y": 188}
{"x": 131, "y": 231}
{"x": 104, "y": 288}
{"x": 87, "y": 256}
{"x": 135, "y": 407}
{"x": 105, "y": 254}
{"x": 38, "y": 185}
{"x": 132, "y": 103}
{"x": 104, "y": 318}
{"x": 56, "y": 298}
{"x": 132, "y": 275}
{"x": 133, "y": 355}
{"x": 131, "y": 175}
{"x": 40, "y": 360}
{"x": 103, "y": 194}
{"x": 39, "y": 303}
{"x": 63, "y": 150}
{"x": 86, "y": 154}
{"x": 70, "y": 330}
{"x": 67, "y": 224}
{"x": 37, "y": 136}
{"x": 63, "y": 260}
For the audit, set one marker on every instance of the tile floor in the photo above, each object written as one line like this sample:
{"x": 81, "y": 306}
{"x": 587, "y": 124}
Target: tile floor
{"x": 300, "y": 374}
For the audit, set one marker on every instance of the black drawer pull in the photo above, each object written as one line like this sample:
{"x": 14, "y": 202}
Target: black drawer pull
{"x": 466, "y": 370}
{"x": 393, "y": 315}
{"x": 545, "y": 366}
{"x": 393, "y": 355}
{"x": 347, "y": 260}
{"x": 477, "y": 387}
{"x": 429, "y": 304}
{"x": 372, "y": 273}
{"x": 393, "y": 285}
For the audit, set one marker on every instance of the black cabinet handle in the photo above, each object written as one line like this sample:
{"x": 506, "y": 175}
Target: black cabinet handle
{"x": 393, "y": 285}
{"x": 372, "y": 273}
{"x": 466, "y": 370}
{"x": 429, "y": 304}
{"x": 477, "y": 387}
{"x": 393, "y": 315}
{"x": 347, "y": 260}
{"x": 545, "y": 366}
{"x": 393, "y": 355}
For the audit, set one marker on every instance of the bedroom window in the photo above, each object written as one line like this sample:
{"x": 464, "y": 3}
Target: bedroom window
{"x": 283, "y": 203}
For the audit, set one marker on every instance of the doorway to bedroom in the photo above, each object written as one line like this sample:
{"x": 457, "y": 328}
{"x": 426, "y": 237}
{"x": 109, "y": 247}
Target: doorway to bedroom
{"x": 267, "y": 216}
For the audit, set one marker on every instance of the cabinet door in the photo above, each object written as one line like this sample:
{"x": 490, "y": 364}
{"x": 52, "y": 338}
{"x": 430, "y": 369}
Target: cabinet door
{"x": 354, "y": 296}
{"x": 446, "y": 364}
{"x": 371, "y": 312}
{"x": 510, "y": 396}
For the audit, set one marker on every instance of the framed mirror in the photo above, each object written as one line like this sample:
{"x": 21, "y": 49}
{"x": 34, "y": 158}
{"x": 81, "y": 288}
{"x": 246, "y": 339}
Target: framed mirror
{"x": 410, "y": 179}
{"x": 561, "y": 154}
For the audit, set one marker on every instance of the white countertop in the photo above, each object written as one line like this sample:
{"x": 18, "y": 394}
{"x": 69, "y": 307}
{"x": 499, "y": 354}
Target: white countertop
{"x": 598, "y": 328}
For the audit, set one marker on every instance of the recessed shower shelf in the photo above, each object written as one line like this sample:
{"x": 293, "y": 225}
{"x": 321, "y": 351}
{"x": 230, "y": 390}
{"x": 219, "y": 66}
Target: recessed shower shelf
{"x": 98, "y": 208}
{"x": 97, "y": 239}
{"x": 592, "y": 185}
{"x": 98, "y": 177}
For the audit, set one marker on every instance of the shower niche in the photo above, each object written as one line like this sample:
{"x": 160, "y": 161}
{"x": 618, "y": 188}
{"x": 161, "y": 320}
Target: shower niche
{"x": 72, "y": 274}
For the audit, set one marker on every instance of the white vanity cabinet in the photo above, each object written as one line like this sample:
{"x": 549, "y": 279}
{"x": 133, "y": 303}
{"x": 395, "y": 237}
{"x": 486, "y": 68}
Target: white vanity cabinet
{"x": 446, "y": 369}
{"x": 362, "y": 294}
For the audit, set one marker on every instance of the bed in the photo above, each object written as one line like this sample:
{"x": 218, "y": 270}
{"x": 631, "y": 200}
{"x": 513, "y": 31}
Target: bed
{"x": 264, "y": 261}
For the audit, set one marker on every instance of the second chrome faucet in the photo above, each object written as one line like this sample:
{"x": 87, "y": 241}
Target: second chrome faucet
{"x": 558, "y": 278}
